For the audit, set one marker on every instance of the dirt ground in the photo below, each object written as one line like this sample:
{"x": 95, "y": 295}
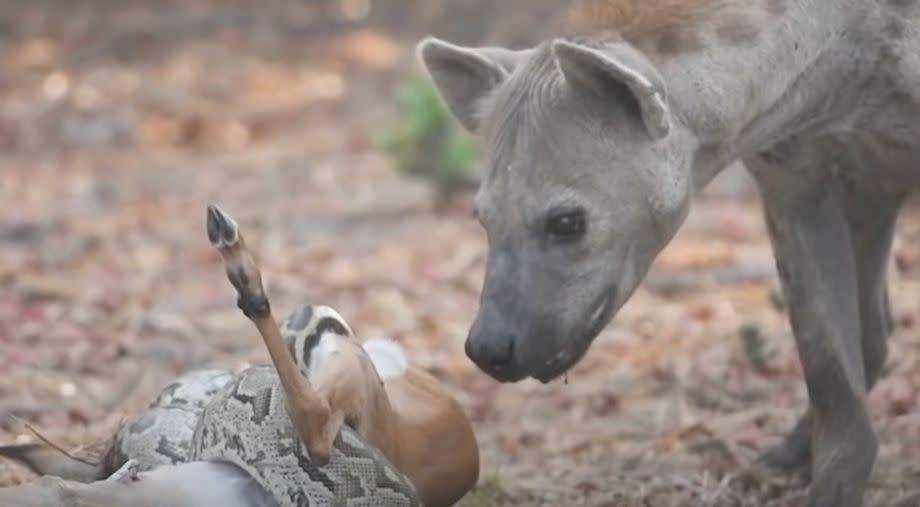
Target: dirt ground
{"x": 119, "y": 123}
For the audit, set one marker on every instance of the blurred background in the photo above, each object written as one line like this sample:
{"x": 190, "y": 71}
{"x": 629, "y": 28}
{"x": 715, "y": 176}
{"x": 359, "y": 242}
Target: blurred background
{"x": 311, "y": 123}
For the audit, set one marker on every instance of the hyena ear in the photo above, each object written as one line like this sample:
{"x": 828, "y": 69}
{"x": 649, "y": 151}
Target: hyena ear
{"x": 464, "y": 76}
{"x": 618, "y": 71}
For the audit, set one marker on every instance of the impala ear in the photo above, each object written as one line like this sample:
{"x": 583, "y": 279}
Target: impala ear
{"x": 618, "y": 72}
{"x": 465, "y": 75}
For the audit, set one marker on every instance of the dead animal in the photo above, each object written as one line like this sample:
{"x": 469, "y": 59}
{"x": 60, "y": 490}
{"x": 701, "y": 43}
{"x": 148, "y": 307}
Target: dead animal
{"x": 334, "y": 421}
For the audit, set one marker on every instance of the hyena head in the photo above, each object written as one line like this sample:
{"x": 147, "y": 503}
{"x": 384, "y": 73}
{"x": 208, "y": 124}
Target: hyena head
{"x": 587, "y": 180}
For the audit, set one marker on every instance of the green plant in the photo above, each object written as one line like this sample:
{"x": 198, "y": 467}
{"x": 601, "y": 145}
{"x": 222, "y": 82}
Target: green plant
{"x": 777, "y": 299}
{"x": 426, "y": 141}
{"x": 755, "y": 346}
{"x": 486, "y": 493}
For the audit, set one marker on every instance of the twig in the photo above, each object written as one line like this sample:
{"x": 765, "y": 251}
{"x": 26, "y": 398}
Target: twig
{"x": 47, "y": 441}
{"x": 309, "y": 411}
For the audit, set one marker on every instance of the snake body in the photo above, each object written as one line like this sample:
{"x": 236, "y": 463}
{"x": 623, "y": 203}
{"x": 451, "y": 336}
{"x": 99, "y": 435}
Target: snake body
{"x": 216, "y": 415}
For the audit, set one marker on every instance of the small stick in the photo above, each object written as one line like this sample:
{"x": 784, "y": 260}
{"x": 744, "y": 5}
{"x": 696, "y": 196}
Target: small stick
{"x": 47, "y": 441}
{"x": 308, "y": 410}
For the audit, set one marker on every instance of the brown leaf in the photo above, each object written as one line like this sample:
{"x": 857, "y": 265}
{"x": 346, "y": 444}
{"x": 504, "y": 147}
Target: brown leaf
{"x": 695, "y": 254}
{"x": 369, "y": 48}
{"x": 37, "y": 53}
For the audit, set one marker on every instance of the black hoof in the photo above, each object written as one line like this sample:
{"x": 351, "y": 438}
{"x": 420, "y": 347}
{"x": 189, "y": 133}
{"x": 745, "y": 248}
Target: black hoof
{"x": 222, "y": 230}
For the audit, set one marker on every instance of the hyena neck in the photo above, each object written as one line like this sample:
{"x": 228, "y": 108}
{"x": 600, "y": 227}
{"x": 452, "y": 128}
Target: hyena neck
{"x": 745, "y": 78}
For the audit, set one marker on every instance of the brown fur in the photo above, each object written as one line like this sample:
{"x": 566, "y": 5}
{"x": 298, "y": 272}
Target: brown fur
{"x": 411, "y": 418}
{"x": 633, "y": 17}
{"x": 671, "y": 27}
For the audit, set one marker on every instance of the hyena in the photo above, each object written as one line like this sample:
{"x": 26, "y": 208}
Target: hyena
{"x": 597, "y": 141}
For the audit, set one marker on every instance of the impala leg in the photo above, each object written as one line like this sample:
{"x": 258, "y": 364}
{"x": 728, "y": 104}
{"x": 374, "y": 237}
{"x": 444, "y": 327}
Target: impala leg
{"x": 308, "y": 410}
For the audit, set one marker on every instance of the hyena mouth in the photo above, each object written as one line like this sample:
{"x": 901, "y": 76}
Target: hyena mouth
{"x": 570, "y": 355}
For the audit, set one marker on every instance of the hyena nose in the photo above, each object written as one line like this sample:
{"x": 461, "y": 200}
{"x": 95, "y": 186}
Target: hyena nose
{"x": 493, "y": 353}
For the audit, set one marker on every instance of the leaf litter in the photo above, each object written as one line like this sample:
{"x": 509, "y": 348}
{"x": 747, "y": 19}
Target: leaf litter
{"x": 116, "y": 131}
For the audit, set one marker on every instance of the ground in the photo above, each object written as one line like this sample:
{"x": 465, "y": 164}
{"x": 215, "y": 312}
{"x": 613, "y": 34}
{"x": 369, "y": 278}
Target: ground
{"x": 121, "y": 121}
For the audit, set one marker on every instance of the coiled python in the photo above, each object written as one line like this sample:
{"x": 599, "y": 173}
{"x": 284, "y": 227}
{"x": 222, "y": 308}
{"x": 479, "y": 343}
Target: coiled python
{"x": 241, "y": 419}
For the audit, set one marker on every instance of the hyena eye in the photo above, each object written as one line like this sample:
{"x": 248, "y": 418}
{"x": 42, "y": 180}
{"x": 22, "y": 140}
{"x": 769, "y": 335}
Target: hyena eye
{"x": 567, "y": 224}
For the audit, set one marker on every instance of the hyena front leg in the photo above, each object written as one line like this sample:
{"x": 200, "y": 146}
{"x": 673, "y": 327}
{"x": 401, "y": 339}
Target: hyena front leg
{"x": 871, "y": 218}
{"x": 810, "y": 232}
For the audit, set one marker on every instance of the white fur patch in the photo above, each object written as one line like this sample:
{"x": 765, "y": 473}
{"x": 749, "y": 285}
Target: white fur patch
{"x": 321, "y": 352}
{"x": 389, "y": 357}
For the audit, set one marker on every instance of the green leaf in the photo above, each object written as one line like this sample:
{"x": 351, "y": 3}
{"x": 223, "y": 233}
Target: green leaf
{"x": 426, "y": 141}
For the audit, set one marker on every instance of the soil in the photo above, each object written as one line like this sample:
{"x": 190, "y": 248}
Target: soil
{"x": 120, "y": 121}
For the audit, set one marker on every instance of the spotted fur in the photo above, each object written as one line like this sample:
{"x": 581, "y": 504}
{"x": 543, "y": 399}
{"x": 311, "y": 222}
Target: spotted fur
{"x": 820, "y": 99}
